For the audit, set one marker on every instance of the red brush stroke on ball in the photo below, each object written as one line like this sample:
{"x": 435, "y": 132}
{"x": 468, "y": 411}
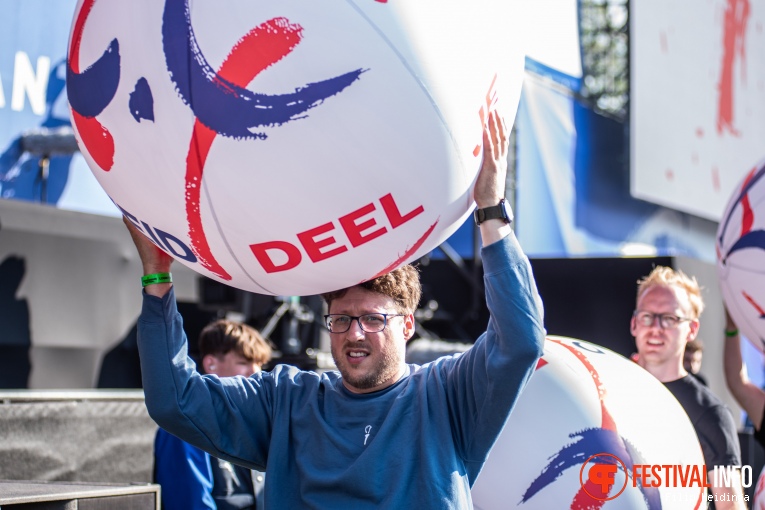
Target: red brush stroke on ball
{"x": 97, "y": 139}
{"x": 262, "y": 47}
{"x": 747, "y": 214}
{"x": 582, "y": 499}
{"x": 94, "y": 135}
{"x": 753, "y": 303}
{"x": 408, "y": 253}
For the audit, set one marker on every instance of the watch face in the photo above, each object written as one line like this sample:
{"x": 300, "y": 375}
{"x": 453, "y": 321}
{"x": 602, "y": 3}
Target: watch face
{"x": 507, "y": 210}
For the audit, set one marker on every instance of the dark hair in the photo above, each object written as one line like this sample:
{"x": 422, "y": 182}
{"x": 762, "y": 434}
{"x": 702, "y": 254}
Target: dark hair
{"x": 223, "y": 336}
{"x": 402, "y": 285}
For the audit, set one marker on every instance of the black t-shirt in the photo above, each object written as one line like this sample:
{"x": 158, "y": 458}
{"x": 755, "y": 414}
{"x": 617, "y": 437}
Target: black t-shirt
{"x": 712, "y": 420}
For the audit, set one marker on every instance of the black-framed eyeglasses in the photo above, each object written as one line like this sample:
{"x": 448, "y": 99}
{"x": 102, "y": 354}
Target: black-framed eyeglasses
{"x": 666, "y": 320}
{"x": 369, "y": 322}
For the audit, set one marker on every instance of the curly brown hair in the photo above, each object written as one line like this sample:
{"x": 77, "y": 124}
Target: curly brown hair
{"x": 222, "y": 336}
{"x": 402, "y": 285}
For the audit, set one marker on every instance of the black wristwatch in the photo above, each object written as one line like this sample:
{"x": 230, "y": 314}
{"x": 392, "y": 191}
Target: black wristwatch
{"x": 501, "y": 211}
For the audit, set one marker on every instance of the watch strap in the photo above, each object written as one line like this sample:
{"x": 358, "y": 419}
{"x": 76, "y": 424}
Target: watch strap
{"x": 494, "y": 212}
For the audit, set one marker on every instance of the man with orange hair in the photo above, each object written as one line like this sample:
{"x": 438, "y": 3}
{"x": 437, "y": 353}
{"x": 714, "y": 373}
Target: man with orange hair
{"x": 666, "y": 318}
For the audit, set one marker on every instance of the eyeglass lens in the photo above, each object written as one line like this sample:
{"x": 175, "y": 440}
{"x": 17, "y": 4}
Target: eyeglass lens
{"x": 371, "y": 322}
{"x": 666, "y": 320}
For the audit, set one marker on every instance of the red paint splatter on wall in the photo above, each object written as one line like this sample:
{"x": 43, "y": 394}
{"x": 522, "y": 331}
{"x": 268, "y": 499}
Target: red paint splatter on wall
{"x": 734, "y": 47}
{"x": 747, "y": 214}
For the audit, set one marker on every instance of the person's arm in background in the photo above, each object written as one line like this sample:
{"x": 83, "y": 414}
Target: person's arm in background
{"x": 184, "y": 473}
{"x": 749, "y": 396}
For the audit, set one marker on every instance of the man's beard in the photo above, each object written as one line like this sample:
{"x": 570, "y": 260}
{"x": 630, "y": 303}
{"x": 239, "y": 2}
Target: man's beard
{"x": 384, "y": 369}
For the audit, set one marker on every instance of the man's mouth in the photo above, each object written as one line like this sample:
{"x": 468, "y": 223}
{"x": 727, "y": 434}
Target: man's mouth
{"x": 356, "y": 357}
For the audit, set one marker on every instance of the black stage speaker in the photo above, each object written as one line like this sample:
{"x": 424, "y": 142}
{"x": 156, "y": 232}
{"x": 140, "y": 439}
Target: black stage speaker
{"x": 103, "y": 436}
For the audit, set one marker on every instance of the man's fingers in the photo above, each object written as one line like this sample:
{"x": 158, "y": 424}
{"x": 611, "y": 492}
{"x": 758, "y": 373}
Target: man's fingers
{"x": 495, "y": 138}
{"x": 503, "y": 133}
{"x": 494, "y": 128}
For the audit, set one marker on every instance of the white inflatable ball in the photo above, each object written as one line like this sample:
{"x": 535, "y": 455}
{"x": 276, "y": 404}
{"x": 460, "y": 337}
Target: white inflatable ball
{"x": 292, "y": 147}
{"x": 585, "y": 406}
{"x": 759, "y": 492}
{"x": 740, "y": 249}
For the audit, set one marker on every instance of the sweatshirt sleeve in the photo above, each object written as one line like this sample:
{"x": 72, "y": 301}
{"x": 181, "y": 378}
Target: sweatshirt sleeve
{"x": 485, "y": 382}
{"x": 194, "y": 407}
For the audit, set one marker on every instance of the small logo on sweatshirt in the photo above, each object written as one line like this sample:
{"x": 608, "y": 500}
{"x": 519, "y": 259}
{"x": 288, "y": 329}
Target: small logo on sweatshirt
{"x": 367, "y": 430}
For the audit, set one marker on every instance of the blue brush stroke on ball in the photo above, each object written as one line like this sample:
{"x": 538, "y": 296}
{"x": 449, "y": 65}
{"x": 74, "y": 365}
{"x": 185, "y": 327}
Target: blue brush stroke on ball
{"x": 591, "y": 442}
{"x": 141, "y": 101}
{"x": 94, "y": 88}
{"x": 226, "y": 108}
{"x": 753, "y": 239}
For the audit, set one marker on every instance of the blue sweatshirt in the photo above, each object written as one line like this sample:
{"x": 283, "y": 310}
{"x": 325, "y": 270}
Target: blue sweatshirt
{"x": 419, "y": 443}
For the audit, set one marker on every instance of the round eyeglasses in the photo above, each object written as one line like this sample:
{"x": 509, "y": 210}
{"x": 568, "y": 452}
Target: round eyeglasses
{"x": 369, "y": 322}
{"x": 666, "y": 320}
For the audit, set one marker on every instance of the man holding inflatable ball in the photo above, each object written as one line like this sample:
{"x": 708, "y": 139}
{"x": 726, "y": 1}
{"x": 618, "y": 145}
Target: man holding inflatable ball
{"x": 377, "y": 433}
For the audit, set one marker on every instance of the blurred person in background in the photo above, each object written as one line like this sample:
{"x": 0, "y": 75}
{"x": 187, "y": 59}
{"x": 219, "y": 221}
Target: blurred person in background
{"x": 190, "y": 478}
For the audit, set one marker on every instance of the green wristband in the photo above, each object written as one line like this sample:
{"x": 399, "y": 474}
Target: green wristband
{"x": 732, "y": 333}
{"x": 151, "y": 279}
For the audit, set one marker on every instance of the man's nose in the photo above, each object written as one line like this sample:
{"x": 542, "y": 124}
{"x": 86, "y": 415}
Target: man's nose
{"x": 355, "y": 330}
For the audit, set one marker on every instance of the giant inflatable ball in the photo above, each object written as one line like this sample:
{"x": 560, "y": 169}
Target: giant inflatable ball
{"x": 759, "y": 492}
{"x": 292, "y": 147}
{"x": 758, "y": 502}
{"x": 740, "y": 249}
{"x": 586, "y": 405}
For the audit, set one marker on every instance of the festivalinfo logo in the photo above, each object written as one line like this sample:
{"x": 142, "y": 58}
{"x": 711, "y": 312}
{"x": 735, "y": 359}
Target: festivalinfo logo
{"x": 604, "y": 476}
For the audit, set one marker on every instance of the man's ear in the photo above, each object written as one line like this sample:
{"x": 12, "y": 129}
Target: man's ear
{"x": 633, "y": 325}
{"x": 408, "y": 326}
{"x": 694, "y": 330}
{"x": 210, "y": 364}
